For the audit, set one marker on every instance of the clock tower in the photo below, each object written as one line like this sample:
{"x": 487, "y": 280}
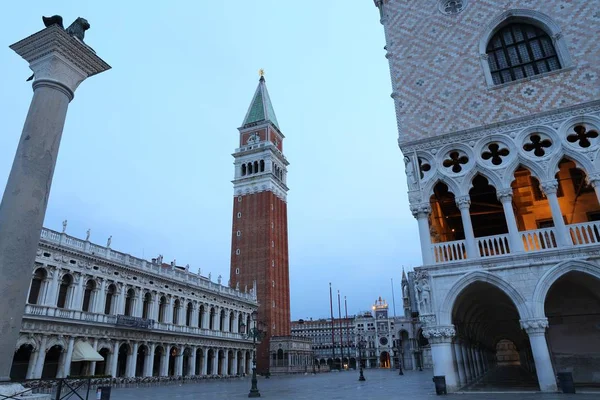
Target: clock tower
{"x": 259, "y": 242}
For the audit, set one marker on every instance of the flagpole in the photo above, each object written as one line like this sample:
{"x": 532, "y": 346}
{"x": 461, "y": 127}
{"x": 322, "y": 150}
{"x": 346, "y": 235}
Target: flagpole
{"x": 347, "y": 331}
{"x": 393, "y": 298}
{"x": 332, "y": 327}
{"x": 341, "y": 333}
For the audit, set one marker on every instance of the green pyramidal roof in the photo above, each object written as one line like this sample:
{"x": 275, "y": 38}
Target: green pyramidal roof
{"x": 261, "y": 108}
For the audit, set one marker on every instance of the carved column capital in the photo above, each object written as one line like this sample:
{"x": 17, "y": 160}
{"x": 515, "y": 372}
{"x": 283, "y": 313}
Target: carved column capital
{"x": 549, "y": 187}
{"x": 534, "y": 326}
{"x": 420, "y": 210}
{"x": 439, "y": 334}
{"x": 594, "y": 179}
{"x": 463, "y": 202}
{"x": 504, "y": 195}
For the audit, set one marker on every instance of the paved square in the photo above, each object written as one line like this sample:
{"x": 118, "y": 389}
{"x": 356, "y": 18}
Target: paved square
{"x": 380, "y": 384}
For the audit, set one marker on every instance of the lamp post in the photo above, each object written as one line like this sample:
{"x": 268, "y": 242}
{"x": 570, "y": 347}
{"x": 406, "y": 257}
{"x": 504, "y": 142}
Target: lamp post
{"x": 400, "y": 356}
{"x": 255, "y": 334}
{"x": 362, "y": 343}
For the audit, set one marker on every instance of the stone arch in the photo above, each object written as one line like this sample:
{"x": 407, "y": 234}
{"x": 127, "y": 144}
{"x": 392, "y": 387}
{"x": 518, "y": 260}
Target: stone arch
{"x": 535, "y": 169}
{"x": 527, "y": 16}
{"x": 581, "y": 162}
{"x": 55, "y": 341}
{"x": 25, "y": 339}
{"x": 493, "y": 179}
{"x": 439, "y": 178}
{"x": 445, "y": 310}
{"x": 552, "y": 275}
{"x": 104, "y": 345}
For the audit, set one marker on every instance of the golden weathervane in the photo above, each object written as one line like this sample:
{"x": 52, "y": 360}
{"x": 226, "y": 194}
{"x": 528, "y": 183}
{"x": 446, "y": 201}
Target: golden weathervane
{"x": 261, "y": 72}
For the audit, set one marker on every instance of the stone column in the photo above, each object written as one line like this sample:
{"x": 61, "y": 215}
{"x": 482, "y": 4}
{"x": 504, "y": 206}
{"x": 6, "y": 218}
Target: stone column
{"x": 60, "y": 63}
{"x": 205, "y": 317}
{"x": 478, "y": 370}
{"x": 562, "y": 237}
{"x": 204, "y": 361}
{"x": 440, "y": 339}
{"x": 179, "y": 362}
{"x": 140, "y": 304}
{"x": 32, "y": 363}
{"x": 226, "y": 321}
{"x": 192, "y": 362}
{"x": 155, "y": 306}
{"x": 536, "y": 329}
{"x": 169, "y": 310}
{"x": 132, "y": 361}
{"x": 39, "y": 363}
{"x": 421, "y": 213}
{"x": 77, "y": 302}
{"x": 101, "y": 298}
{"x": 164, "y": 362}
{"x": 225, "y": 364}
{"x": 93, "y": 363}
{"x": 235, "y": 363}
{"x": 515, "y": 240}
{"x": 464, "y": 203}
{"x": 120, "y": 309}
{"x": 114, "y": 359}
{"x": 52, "y": 292}
{"x": 244, "y": 362}
{"x": 215, "y": 362}
{"x": 479, "y": 361}
{"x": 236, "y": 318}
{"x": 216, "y": 318}
{"x": 460, "y": 364}
{"x": 149, "y": 362}
{"x": 594, "y": 180}
{"x": 194, "y": 319}
{"x": 67, "y": 358}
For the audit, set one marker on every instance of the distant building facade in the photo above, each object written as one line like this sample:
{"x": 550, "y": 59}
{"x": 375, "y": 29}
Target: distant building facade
{"x": 95, "y": 311}
{"x": 259, "y": 239}
{"x": 498, "y": 113}
{"x": 290, "y": 355}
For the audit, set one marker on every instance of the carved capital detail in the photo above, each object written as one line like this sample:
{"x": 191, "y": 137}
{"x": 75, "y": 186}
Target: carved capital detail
{"x": 421, "y": 210}
{"x": 549, "y": 187}
{"x": 439, "y": 334}
{"x": 463, "y": 202}
{"x": 593, "y": 179}
{"x": 504, "y": 195}
{"x": 535, "y": 325}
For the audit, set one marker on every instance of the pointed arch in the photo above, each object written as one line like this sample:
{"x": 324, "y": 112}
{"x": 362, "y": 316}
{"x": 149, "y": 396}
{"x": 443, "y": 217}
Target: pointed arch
{"x": 552, "y": 275}
{"x": 445, "y": 309}
{"x": 535, "y": 169}
{"x": 580, "y": 161}
{"x": 27, "y": 339}
{"x": 439, "y": 178}
{"x": 493, "y": 179}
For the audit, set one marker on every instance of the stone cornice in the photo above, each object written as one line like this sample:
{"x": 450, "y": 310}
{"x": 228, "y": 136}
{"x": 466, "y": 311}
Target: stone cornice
{"x": 476, "y": 133}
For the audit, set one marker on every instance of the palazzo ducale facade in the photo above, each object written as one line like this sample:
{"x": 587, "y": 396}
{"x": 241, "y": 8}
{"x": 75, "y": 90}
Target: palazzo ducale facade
{"x": 95, "y": 311}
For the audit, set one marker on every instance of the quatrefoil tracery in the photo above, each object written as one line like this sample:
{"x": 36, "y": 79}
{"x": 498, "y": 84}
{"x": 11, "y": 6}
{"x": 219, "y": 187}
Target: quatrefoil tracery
{"x": 537, "y": 145}
{"x": 455, "y": 161}
{"x": 582, "y": 136}
{"x": 423, "y": 167}
{"x": 495, "y": 153}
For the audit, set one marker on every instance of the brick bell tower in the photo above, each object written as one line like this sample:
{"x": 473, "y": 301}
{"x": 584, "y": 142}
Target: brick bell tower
{"x": 259, "y": 241}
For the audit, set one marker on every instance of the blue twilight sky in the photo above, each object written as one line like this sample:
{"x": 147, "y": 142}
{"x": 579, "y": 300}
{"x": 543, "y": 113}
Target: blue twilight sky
{"x": 146, "y": 150}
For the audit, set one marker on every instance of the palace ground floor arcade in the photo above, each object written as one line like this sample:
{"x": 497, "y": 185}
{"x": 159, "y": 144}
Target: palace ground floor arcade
{"x": 521, "y": 325}
{"x": 56, "y": 356}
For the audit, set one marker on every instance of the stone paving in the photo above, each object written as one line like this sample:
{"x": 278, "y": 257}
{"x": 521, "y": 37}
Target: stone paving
{"x": 380, "y": 384}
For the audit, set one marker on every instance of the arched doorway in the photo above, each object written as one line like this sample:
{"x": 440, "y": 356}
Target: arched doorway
{"x": 211, "y": 361}
{"x": 52, "y": 361}
{"x": 159, "y": 353}
{"x": 384, "y": 359}
{"x": 20, "y": 362}
{"x": 572, "y": 307}
{"x": 102, "y": 366}
{"x": 141, "y": 360}
{"x": 124, "y": 351}
{"x": 483, "y": 314}
{"x": 172, "y": 360}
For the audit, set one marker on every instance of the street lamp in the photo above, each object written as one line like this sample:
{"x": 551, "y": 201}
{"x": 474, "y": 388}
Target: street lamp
{"x": 362, "y": 344}
{"x": 255, "y": 334}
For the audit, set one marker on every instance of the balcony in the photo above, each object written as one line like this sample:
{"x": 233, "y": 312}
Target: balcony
{"x": 54, "y": 313}
{"x": 538, "y": 240}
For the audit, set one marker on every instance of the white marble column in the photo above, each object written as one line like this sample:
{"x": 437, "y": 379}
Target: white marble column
{"x": 39, "y": 363}
{"x": 52, "y": 292}
{"x": 194, "y": 319}
{"x": 139, "y": 304}
{"x": 120, "y": 310}
{"x": 516, "y": 242}
{"x": 440, "y": 340}
{"x": 205, "y": 318}
{"x": 536, "y": 329}
{"x": 192, "y": 362}
{"x": 235, "y": 363}
{"x": 421, "y": 213}
{"x": 101, "y": 298}
{"x": 179, "y": 362}
{"x": 67, "y": 358}
{"x": 149, "y": 362}
{"x": 244, "y": 362}
{"x": 215, "y": 368}
{"x": 236, "y": 322}
{"x": 594, "y": 180}
{"x": 114, "y": 359}
{"x": 77, "y": 302}
{"x": 164, "y": 362}
{"x": 169, "y": 310}
{"x": 562, "y": 237}
{"x": 204, "y": 361}
{"x": 132, "y": 361}
{"x": 32, "y": 363}
{"x": 226, "y": 321}
{"x": 216, "y": 319}
{"x": 60, "y": 63}
{"x": 464, "y": 203}
{"x": 460, "y": 364}
{"x": 93, "y": 363}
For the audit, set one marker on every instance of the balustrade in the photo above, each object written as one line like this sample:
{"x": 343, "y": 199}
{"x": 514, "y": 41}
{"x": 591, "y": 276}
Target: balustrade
{"x": 449, "y": 251}
{"x": 490, "y": 246}
{"x": 585, "y": 233}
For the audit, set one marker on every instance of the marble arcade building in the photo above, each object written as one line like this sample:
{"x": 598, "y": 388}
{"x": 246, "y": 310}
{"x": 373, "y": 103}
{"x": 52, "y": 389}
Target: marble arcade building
{"x": 92, "y": 310}
{"x": 259, "y": 239}
{"x": 498, "y": 113}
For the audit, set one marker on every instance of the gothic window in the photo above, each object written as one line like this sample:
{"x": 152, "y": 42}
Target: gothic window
{"x": 90, "y": 286}
{"x": 455, "y": 161}
{"x": 495, "y": 153}
{"x": 582, "y": 136}
{"x": 520, "y": 50}
{"x": 36, "y": 286}
{"x": 63, "y": 291}
{"x": 538, "y": 145}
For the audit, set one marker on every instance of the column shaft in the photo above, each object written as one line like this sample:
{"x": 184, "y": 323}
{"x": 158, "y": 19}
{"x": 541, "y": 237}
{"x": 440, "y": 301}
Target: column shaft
{"x": 515, "y": 240}
{"x": 421, "y": 213}
{"x": 460, "y": 363}
{"x": 464, "y": 203}
{"x": 562, "y": 238}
